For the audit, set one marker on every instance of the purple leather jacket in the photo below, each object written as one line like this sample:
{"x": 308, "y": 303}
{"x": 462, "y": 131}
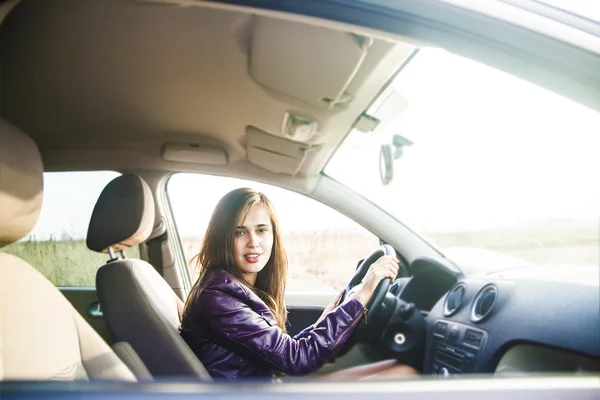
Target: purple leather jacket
{"x": 234, "y": 334}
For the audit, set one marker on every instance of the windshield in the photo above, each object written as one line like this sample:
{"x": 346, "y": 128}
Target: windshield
{"x": 493, "y": 168}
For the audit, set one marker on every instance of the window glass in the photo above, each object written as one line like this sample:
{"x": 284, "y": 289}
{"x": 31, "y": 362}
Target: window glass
{"x": 323, "y": 246}
{"x": 56, "y": 246}
{"x": 499, "y": 172}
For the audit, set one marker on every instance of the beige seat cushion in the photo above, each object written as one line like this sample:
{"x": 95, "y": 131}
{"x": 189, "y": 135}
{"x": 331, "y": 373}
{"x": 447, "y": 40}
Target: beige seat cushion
{"x": 42, "y": 335}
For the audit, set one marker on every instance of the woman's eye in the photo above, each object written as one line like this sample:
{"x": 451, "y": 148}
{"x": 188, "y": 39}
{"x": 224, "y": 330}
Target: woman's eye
{"x": 263, "y": 230}
{"x": 239, "y": 233}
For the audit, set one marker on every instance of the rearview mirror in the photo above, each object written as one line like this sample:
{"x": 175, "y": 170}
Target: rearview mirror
{"x": 386, "y": 164}
{"x": 388, "y": 154}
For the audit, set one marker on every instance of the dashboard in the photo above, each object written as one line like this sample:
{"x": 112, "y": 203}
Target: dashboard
{"x": 504, "y": 322}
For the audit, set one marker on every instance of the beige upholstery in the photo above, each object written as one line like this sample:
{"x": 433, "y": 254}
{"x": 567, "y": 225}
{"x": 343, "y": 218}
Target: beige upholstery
{"x": 41, "y": 335}
{"x": 139, "y": 306}
{"x": 20, "y": 184}
{"x": 123, "y": 216}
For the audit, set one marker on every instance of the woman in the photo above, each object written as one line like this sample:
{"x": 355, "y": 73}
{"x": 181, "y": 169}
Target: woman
{"x": 235, "y": 316}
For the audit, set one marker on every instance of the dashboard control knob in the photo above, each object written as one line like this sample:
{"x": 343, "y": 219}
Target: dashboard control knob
{"x": 444, "y": 373}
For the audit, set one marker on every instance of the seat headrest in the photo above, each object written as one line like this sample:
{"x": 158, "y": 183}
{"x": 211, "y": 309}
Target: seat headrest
{"x": 123, "y": 215}
{"x": 21, "y": 184}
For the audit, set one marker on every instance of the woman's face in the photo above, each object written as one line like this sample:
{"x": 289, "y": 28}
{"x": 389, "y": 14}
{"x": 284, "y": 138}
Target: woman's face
{"x": 253, "y": 242}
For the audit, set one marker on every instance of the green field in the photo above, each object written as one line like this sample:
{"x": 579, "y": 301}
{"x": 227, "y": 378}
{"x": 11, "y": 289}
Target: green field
{"x": 63, "y": 262}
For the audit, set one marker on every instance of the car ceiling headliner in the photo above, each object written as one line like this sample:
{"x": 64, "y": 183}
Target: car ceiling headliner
{"x": 108, "y": 75}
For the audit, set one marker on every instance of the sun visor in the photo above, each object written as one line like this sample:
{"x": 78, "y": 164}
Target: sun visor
{"x": 276, "y": 154}
{"x": 296, "y": 59}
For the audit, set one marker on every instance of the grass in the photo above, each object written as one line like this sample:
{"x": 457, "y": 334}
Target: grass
{"x": 64, "y": 262}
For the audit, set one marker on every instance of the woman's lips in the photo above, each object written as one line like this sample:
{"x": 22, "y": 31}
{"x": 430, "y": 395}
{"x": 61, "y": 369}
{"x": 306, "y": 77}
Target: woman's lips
{"x": 252, "y": 258}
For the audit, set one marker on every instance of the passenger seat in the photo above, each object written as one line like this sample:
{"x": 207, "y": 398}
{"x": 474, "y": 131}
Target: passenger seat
{"x": 139, "y": 306}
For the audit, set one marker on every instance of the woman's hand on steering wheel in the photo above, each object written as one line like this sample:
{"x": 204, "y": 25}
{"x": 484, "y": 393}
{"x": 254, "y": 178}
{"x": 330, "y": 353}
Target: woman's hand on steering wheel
{"x": 384, "y": 267}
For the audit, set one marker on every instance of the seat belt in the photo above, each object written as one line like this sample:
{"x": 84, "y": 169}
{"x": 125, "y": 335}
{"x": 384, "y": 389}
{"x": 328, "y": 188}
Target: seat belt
{"x": 155, "y": 252}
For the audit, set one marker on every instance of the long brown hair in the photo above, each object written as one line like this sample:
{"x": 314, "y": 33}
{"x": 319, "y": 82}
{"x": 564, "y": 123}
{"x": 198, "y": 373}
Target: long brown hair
{"x": 217, "y": 252}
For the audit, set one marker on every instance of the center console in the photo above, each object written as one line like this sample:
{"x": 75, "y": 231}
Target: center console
{"x": 454, "y": 349}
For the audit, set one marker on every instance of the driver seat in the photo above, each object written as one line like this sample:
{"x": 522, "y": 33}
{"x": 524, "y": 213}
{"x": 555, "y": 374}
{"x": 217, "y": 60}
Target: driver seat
{"x": 139, "y": 306}
{"x": 42, "y": 337}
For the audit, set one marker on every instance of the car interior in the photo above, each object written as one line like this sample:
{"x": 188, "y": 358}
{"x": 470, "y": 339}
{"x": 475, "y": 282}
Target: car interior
{"x": 152, "y": 88}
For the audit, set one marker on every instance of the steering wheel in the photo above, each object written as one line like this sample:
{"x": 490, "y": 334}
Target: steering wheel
{"x": 391, "y": 327}
{"x": 375, "y": 304}
{"x": 382, "y": 288}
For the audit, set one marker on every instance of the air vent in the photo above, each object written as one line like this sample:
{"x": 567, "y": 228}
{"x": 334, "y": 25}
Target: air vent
{"x": 454, "y": 299}
{"x": 483, "y": 302}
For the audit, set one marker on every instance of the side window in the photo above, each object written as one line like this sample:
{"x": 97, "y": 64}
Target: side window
{"x": 323, "y": 246}
{"x": 56, "y": 246}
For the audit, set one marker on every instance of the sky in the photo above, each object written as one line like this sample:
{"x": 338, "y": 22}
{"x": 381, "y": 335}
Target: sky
{"x": 490, "y": 151}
